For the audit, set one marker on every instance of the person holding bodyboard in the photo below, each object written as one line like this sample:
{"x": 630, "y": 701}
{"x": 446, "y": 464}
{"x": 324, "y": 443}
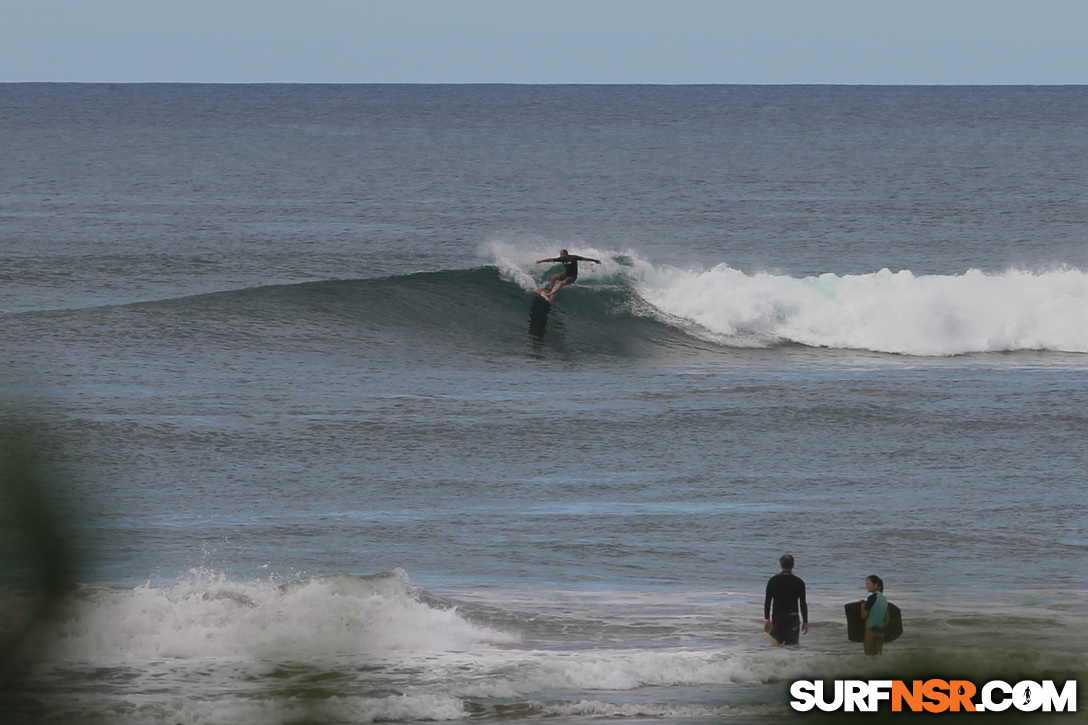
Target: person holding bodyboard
{"x": 874, "y": 611}
{"x": 873, "y": 620}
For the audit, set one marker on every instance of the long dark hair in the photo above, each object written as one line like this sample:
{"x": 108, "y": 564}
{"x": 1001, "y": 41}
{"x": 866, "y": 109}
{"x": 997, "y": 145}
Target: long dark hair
{"x": 876, "y": 580}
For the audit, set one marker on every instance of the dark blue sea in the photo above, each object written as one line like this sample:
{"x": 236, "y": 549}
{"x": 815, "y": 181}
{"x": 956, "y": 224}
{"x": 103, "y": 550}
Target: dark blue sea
{"x": 322, "y": 456}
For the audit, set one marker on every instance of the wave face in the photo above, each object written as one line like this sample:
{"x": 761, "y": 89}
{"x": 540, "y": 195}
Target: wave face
{"x": 630, "y": 307}
{"x": 482, "y": 312}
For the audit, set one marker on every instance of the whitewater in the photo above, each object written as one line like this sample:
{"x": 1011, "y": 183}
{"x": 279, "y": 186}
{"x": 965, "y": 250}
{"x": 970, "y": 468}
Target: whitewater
{"x": 340, "y": 648}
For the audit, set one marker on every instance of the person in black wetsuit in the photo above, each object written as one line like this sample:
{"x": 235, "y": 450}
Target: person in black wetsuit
{"x": 569, "y": 273}
{"x": 785, "y": 610}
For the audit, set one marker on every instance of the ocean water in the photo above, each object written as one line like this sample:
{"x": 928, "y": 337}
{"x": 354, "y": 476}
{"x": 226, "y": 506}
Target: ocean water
{"x": 323, "y": 456}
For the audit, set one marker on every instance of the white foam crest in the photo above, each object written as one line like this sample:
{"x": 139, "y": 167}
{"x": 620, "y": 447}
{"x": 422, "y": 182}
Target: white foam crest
{"x": 890, "y": 312}
{"x": 665, "y": 712}
{"x": 414, "y": 707}
{"x": 407, "y": 707}
{"x": 509, "y": 675}
{"x": 212, "y": 617}
{"x": 515, "y": 262}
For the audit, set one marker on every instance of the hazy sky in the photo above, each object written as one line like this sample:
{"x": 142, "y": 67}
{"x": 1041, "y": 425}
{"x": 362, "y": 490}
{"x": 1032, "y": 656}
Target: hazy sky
{"x": 546, "y": 41}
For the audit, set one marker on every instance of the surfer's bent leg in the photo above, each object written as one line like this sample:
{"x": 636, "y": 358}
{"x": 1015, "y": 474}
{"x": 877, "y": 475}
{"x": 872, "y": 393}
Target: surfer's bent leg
{"x": 564, "y": 280}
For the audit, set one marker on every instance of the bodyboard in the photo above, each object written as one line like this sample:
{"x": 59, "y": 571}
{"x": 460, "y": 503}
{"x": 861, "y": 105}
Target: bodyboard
{"x": 855, "y": 625}
{"x": 894, "y": 627}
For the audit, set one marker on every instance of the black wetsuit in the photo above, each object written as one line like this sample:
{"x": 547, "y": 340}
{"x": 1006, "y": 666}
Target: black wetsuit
{"x": 570, "y": 266}
{"x": 790, "y": 608}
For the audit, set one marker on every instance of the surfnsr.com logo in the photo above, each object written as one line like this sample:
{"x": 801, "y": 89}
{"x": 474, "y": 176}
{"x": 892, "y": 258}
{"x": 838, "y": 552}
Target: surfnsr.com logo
{"x": 933, "y": 696}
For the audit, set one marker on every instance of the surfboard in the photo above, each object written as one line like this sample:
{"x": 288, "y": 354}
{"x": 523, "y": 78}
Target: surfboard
{"x": 855, "y": 625}
{"x": 545, "y": 295}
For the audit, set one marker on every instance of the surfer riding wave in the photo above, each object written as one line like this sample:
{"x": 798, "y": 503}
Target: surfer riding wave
{"x": 569, "y": 274}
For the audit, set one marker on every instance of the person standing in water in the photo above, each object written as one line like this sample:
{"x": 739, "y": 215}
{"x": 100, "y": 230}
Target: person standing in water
{"x": 567, "y": 276}
{"x": 785, "y": 610}
{"x": 874, "y": 610}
